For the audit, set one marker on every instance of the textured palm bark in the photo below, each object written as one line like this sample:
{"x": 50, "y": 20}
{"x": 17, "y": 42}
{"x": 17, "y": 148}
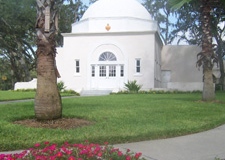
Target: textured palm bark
{"x": 48, "y": 103}
{"x": 208, "y": 93}
{"x": 207, "y": 52}
{"x": 47, "y": 100}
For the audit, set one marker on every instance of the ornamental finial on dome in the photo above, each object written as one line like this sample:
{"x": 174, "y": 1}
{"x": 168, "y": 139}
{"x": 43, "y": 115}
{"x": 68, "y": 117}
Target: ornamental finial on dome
{"x": 107, "y": 27}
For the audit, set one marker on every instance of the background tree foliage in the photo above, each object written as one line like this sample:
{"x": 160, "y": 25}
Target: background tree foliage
{"x": 188, "y": 29}
{"x": 70, "y": 12}
{"x": 184, "y": 24}
{"x": 17, "y": 36}
{"x": 207, "y": 56}
{"x": 218, "y": 27}
{"x": 163, "y": 14}
{"x": 17, "y": 39}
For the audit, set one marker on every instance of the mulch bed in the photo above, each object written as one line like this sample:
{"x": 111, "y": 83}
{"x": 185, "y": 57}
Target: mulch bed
{"x": 63, "y": 123}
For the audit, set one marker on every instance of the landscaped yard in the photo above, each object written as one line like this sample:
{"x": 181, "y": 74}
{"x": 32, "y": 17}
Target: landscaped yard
{"x": 16, "y": 95}
{"x": 116, "y": 119}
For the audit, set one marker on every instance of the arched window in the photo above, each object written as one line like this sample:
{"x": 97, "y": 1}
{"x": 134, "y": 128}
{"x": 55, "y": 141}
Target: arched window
{"x": 107, "y": 56}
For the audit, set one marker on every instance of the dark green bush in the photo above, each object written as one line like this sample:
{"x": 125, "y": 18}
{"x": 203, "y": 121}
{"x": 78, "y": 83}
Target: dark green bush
{"x": 132, "y": 86}
{"x": 61, "y": 86}
{"x": 157, "y": 92}
{"x": 25, "y": 90}
{"x": 70, "y": 91}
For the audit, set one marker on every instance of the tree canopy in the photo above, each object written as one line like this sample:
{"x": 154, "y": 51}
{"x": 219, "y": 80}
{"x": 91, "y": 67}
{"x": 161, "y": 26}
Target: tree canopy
{"x": 17, "y": 36}
{"x": 184, "y": 24}
{"x": 163, "y": 14}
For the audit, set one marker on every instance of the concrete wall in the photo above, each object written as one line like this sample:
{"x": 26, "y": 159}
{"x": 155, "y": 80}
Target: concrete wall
{"x": 26, "y": 85}
{"x": 126, "y": 46}
{"x": 179, "y": 69}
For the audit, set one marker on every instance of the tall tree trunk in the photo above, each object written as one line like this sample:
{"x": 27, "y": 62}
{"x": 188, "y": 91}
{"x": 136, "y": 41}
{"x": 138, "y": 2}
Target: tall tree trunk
{"x": 207, "y": 52}
{"x": 208, "y": 93}
{"x": 47, "y": 100}
{"x": 220, "y": 59}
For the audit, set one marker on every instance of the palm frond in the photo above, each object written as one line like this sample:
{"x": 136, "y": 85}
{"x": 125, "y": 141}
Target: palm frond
{"x": 176, "y": 4}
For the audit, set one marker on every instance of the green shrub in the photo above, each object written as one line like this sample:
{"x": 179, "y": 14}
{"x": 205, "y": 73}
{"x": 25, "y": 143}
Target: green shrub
{"x": 25, "y": 90}
{"x": 157, "y": 92}
{"x": 61, "y": 86}
{"x": 70, "y": 91}
{"x": 132, "y": 86}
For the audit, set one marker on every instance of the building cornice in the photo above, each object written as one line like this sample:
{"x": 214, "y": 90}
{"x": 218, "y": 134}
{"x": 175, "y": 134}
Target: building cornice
{"x": 109, "y": 33}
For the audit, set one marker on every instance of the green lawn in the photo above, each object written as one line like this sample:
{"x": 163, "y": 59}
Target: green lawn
{"x": 117, "y": 119}
{"x": 16, "y": 95}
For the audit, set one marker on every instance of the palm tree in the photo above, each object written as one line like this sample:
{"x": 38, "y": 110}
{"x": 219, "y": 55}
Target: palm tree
{"x": 206, "y": 57}
{"x": 48, "y": 103}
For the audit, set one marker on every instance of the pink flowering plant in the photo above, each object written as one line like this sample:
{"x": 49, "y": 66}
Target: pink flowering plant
{"x": 86, "y": 151}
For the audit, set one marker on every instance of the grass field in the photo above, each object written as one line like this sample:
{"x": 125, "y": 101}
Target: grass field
{"x": 17, "y": 95}
{"x": 117, "y": 119}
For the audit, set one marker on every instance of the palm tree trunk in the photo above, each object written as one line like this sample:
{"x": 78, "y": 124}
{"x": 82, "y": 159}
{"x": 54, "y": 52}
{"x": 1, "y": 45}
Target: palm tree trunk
{"x": 208, "y": 93}
{"x": 47, "y": 100}
{"x": 207, "y": 51}
{"x": 220, "y": 59}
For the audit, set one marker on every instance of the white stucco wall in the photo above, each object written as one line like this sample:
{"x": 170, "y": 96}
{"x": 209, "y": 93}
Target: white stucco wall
{"x": 157, "y": 66}
{"x": 126, "y": 46}
{"x": 26, "y": 85}
{"x": 179, "y": 69}
{"x": 116, "y": 25}
{"x": 131, "y": 35}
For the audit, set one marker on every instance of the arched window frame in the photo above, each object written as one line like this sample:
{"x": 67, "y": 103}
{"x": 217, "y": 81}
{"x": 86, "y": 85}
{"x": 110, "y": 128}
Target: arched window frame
{"x": 107, "y": 56}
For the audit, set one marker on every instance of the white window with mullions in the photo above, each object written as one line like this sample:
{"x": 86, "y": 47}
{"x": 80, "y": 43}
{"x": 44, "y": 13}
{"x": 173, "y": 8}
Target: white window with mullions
{"x": 102, "y": 71}
{"x": 93, "y": 71}
{"x": 77, "y": 66}
{"x": 121, "y": 71}
{"x": 107, "y": 56}
{"x": 138, "y": 65}
{"x": 112, "y": 71}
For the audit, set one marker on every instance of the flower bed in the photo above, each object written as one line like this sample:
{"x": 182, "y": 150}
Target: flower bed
{"x": 86, "y": 151}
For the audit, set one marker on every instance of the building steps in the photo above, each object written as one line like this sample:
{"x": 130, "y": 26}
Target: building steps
{"x": 95, "y": 92}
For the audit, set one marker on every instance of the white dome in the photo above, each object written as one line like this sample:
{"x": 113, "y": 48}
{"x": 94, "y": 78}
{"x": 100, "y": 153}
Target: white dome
{"x": 115, "y": 16}
{"x": 116, "y": 8}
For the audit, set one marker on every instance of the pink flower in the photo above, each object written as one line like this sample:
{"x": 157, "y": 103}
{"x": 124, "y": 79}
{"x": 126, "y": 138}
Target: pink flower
{"x": 106, "y": 143}
{"x": 128, "y": 158}
{"x": 72, "y": 152}
{"x": 120, "y": 153}
{"x": 59, "y": 154}
{"x": 52, "y": 158}
{"x": 37, "y": 145}
{"x": 52, "y": 147}
{"x": 99, "y": 154}
{"x": 138, "y": 155}
{"x": 40, "y": 158}
{"x": 83, "y": 152}
{"x": 69, "y": 152}
{"x": 71, "y": 158}
{"x": 46, "y": 143}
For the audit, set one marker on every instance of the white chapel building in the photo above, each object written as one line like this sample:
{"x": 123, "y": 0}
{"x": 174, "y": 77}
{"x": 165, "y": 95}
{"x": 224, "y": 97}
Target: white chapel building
{"x": 117, "y": 41}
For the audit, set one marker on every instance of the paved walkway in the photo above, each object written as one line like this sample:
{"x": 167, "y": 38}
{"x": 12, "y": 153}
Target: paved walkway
{"x": 206, "y": 145}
